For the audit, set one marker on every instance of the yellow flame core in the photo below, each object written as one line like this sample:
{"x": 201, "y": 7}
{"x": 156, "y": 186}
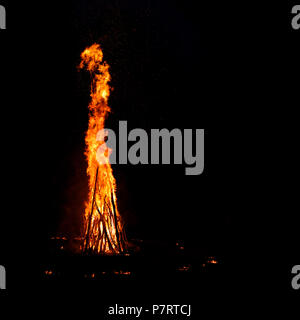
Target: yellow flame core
{"x": 103, "y": 230}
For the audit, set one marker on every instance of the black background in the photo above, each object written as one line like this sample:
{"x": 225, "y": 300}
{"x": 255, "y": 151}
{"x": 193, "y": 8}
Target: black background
{"x": 176, "y": 64}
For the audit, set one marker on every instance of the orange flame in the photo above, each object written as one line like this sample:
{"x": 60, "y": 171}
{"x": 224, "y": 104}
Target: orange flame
{"x": 103, "y": 230}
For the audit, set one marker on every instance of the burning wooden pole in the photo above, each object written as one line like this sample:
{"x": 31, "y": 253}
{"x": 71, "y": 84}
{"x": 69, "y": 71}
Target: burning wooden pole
{"x": 116, "y": 223}
{"x": 91, "y": 214}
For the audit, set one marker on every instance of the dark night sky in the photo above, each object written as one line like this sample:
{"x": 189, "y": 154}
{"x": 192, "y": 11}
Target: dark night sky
{"x": 165, "y": 72}
{"x": 173, "y": 64}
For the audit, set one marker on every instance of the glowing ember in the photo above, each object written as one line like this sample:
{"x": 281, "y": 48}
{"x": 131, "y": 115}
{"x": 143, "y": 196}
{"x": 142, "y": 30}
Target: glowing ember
{"x": 103, "y": 229}
{"x": 185, "y": 268}
{"x": 212, "y": 260}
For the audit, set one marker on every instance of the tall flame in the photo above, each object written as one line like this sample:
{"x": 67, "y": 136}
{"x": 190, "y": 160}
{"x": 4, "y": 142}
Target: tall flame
{"x": 103, "y": 230}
